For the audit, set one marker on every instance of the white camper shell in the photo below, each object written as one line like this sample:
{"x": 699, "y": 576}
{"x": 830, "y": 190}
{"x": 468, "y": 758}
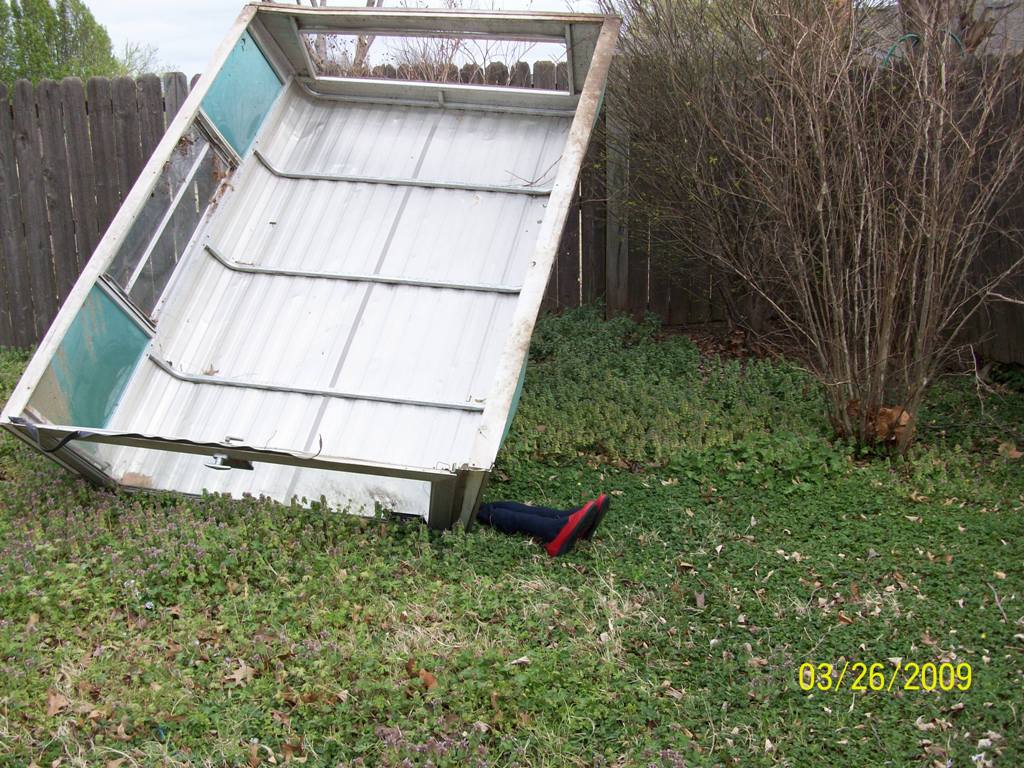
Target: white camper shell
{"x": 320, "y": 287}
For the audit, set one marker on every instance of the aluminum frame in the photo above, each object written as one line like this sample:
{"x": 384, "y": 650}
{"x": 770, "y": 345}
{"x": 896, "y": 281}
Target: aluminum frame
{"x": 277, "y": 29}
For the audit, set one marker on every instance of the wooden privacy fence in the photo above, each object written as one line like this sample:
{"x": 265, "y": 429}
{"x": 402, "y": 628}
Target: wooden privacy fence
{"x": 69, "y": 154}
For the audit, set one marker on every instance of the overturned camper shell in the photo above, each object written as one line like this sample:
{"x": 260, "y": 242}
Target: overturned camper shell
{"x": 322, "y": 287}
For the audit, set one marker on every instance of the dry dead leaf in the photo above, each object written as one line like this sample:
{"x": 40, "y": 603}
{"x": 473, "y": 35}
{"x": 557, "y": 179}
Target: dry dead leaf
{"x": 999, "y": 574}
{"x": 844, "y": 619}
{"x": 55, "y": 703}
{"x": 522, "y": 661}
{"x": 1009, "y": 450}
{"x": 242, "y": 675}
{"x": 122, "y": 734}
{"x": 410, "y": 667}
{"x": 294, "y": 753}
{"x": 116, "y": 763}
{"x": 673, "y": 693}
{"x": 429, "y": 681}
{"x": 83, "y": 708}
{"x": 699, "y": 598}
{"x": 281, "y": 717}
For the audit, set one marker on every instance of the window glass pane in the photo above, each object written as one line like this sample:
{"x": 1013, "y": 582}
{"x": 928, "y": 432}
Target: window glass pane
{"x": 242, "y": 94}
{"x": 181, "y": 224}
{"x": 147, "y": 223}
{"x": 157, "y": 238}
{"x": 86, "y": 377}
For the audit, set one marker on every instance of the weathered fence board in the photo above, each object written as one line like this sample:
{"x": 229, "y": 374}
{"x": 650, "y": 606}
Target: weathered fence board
{"x": 151, "y": 113}
{"x": 37, "y": 260}
{"x": 128, "y": 158}
{"x": 70, "y": 153}
{"x": 569, "y": 259}
{"x": 17, "y": 325}
{"x": 80, "y": 168}
{"x": 592, "y": 223}
{"x": 175, "y": 92}
{"x": 57, "y": 188}
{"x": 637, "y": 253}
{"x": 101, "y": 132}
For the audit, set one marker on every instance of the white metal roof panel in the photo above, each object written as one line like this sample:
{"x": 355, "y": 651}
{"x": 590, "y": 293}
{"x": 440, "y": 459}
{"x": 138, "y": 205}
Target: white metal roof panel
{"x": 407, "y": 342}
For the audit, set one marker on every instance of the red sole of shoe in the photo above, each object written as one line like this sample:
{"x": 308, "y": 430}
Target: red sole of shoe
{"x": 603, "y": 503}
{"x": 572, "y": 531}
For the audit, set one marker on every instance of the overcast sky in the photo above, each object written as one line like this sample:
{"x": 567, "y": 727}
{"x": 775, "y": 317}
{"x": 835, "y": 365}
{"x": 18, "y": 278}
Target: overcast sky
{"x": 185, "y": 32}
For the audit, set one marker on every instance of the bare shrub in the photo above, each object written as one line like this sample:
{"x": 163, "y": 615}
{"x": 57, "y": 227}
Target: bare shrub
{"x": 845, "y": 165}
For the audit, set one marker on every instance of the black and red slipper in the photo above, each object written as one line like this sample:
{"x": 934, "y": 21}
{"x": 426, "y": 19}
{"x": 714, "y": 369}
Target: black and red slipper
{"x": 602, "y": 502}
{"x": 577, "y": 524}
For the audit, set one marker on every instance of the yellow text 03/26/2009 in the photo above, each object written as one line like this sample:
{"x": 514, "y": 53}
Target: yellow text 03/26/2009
{"x": 864, "y": 677}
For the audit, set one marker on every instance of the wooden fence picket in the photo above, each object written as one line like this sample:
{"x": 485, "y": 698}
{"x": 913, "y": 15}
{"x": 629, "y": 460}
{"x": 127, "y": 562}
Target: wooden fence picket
{"x": 81, "y": 173}
{"x": 57, "y": 188}
{"x": 17, "y": 324}
{"x": 101, "y": 132}
{"x": 37, "y": 261}
{"x": 128, "y": 159}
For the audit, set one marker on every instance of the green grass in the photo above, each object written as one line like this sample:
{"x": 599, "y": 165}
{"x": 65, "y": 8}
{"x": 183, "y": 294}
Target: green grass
{"x": 163, "y": 630}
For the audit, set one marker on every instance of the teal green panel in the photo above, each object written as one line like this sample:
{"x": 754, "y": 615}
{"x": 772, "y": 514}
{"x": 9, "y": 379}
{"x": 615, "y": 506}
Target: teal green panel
{"x": 242, "y": 94}
{"x": 94, "y": 361}
{"x": 515, "y": 402}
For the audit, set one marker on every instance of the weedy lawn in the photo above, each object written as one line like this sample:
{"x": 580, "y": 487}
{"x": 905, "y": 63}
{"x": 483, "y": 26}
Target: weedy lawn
{"x": 742, "y": 542}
